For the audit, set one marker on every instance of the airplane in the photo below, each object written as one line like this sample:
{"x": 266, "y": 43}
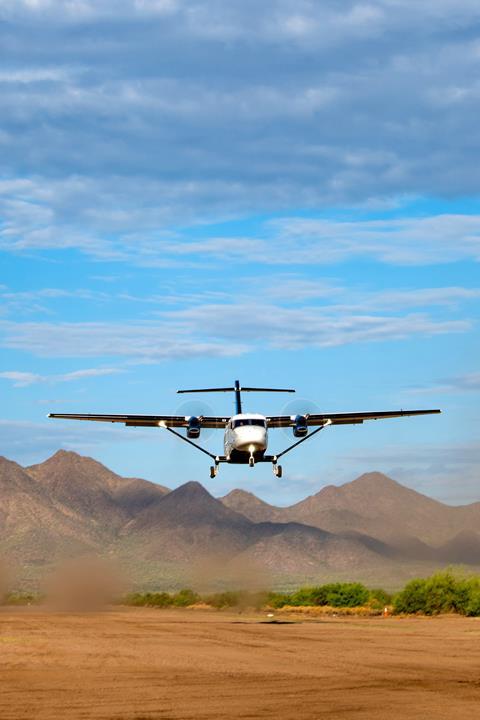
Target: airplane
{"x": 245, "y": 434}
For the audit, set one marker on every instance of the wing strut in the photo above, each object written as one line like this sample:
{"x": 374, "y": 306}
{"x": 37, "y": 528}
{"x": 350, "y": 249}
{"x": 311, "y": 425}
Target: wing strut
{"x": 307, "y": 437}
{"x": 199, "y": 447}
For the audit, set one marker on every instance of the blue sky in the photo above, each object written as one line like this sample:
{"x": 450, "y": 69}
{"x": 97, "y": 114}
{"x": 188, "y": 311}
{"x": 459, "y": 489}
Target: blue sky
{"x": 281, "y": 192}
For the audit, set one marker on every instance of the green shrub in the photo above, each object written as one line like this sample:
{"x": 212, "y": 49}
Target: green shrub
{"x": 184, "y": 597}
{"x": 21, "y": 598}
{"x": 379, "y": 598}
{"x": 345, "y": 594}
{"x": 278, "y": 599}
{"x": 440, "y": 593}
{"x": 412, "y": 599}
{"x": 159, "y": 599}
{"x": 309, "y": 596}
{"x": 473, "y": 606}
{"x": 467, "y": 589}
{"x": 334, "y": 594}
{"x": 149, "y": 599}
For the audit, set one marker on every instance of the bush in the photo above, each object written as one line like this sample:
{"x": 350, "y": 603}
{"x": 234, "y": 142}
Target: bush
{"x": 346, "y": 594}
{"x": 379, "y": 599}
{"x": 278, "y": 599}
{"x": 184, "y": 598}
{"x": 309, "y": 596}
{"x": 21, "y": 598}
{"x": 412, "y": 599}
{"x": 333, "y": 594}
{"x": 473, "y": 606}
{"x": 440, "y": 593}
{"x": 158, "y": 599}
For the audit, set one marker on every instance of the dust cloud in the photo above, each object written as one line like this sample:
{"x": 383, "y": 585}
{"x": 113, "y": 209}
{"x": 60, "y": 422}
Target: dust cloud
{"x": 85, "y": 584}
{"x": 219, "y": 572}
{"x": 6, "y": 577}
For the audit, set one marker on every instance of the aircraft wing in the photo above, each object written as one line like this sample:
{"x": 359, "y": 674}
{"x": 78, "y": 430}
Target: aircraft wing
{"x": 277, "y": 421}
{"x": 146, "y": 420}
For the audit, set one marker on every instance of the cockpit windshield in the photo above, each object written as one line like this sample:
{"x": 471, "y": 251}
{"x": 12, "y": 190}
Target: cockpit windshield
{"x": 249, "y": 421}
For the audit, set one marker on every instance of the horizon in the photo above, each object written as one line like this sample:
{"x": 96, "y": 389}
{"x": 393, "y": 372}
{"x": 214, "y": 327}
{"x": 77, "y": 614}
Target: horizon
{"x": 196, "y": 192}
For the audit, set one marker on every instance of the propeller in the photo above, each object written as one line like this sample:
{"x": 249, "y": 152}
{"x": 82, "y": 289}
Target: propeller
{"x": 299, "y": 406}
{"x": 197, "y": 408}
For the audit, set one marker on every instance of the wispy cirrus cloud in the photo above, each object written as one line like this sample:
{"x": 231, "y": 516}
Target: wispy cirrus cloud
{"x": 23, "y": 379}
{"x": 219, "y": 330}
{"x": 77, "y": 214}
{"x": 466, "y": 383}
{"x": 143, "y": 341}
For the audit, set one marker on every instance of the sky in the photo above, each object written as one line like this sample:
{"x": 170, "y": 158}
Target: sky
{"x": 285, "y": 192}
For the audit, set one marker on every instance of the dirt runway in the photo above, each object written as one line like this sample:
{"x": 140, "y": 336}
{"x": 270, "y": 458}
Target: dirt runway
{"x": 142, "y": 664}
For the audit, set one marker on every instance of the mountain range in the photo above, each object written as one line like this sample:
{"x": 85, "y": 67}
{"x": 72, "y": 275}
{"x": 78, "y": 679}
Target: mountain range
{"x": 371, "y": 529}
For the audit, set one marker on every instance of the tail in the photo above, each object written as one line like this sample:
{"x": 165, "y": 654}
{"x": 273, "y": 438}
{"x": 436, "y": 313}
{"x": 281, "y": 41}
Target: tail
{"x": 237, "y": 390}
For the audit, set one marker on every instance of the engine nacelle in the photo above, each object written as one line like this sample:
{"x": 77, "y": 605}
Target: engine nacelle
{"x": 193, "y": 427}
{"x": 300, "y": 429}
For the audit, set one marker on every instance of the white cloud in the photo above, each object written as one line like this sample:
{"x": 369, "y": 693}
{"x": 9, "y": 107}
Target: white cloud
{"x": 293, "y": 328}
{"x": 220, "y": 330}
{"x": 332, "y": 103}
{"x": 34, "y": 75}
{"x": 77, "y": 213}
{"x": 20, "y": 379}
{"x": 23, "y": 379}
{"x": 467, "y": 383}
{"x": 403, "y": 241}
{"x": 139, "y": 340}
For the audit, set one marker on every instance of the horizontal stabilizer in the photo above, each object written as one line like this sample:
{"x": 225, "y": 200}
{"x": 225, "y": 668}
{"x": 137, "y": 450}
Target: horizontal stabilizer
{"x": 233, "y": 389}
{"x": 247, "y": 389}
{"x": 229, "y": 389}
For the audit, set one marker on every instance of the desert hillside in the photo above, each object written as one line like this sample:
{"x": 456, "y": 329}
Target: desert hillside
{"x": 372, "y": 529}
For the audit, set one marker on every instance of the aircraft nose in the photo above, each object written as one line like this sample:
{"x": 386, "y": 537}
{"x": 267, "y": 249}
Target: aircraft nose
{"x": 251, "y": 437}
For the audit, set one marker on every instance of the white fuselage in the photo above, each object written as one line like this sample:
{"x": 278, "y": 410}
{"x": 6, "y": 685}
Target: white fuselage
{"x": 245, "y": 435}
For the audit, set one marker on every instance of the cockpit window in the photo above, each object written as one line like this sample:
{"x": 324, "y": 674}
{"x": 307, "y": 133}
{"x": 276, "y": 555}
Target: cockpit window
{"x": 249, "y": 421}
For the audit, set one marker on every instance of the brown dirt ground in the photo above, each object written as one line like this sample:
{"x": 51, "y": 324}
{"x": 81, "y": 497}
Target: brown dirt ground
{"x": 147, "y": 664}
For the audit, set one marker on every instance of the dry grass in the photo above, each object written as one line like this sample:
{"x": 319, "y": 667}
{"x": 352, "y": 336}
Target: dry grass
{"x": 327, "y": 610}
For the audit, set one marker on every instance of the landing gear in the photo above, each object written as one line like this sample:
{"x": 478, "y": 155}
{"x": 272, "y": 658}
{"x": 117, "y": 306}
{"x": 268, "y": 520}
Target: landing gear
{"x": 251, "y": 461}
{"x": 214, "y": 468}
{"x": 277, "y": 469}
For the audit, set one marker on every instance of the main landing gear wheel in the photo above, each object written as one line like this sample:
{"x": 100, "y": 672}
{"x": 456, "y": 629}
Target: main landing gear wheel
{"x": 214, "y": 468}
{"x": 277, "y": 470}
{"x": 251, "y": 461}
